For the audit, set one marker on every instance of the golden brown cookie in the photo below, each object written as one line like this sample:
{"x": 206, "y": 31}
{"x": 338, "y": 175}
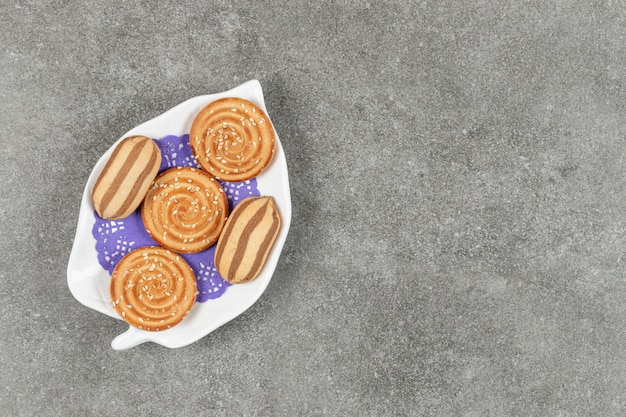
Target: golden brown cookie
{"x": 126, "y": 177}
{"x": 247, "y": 238}
{"x": 153, "y": 288}
{"x": 232, "y": 139}
{"x": 185, "y": 210}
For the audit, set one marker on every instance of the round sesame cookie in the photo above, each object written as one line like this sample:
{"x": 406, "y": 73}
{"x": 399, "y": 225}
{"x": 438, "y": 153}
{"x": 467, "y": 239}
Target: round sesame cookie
{"x": 185, "y": 210}
{"x": 153, "y": 288}
{"x": 232, "y": 139}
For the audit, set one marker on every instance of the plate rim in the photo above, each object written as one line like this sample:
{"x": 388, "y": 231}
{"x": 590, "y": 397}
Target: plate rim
{"x": 133, "y": 337}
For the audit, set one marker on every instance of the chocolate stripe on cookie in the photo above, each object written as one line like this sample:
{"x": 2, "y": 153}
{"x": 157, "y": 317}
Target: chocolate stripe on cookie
{"x": 126, "y": 177}
{"x": 228, "y": 229}
{"x": 108, "y": 165}
{"x": 259, "y": 261}
{"x": 140, "y": 182}
{"x": 252, "y": 224}
{"x": 247, "y": 239}
{"x": 121, "y": 174}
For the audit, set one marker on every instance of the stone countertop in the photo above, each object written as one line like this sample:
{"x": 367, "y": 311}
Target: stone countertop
{"x": 459, "y": 208}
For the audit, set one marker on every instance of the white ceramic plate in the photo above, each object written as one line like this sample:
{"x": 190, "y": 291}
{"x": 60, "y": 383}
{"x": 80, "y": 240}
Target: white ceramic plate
{"x": 89, "y": 282}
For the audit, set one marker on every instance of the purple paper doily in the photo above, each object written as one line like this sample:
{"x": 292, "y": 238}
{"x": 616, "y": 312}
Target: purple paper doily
{"x": 116, "y": 238}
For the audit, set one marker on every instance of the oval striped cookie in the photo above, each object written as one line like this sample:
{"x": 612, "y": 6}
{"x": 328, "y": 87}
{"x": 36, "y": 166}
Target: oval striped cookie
{"x": 126, "y": 177}
{"x": 246, "y": 239}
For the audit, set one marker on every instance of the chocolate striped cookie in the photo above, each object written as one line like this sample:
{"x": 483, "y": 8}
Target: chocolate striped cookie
{"x": 126, "y": 177}
{"x": 247, "y": 238}
{"x": 232, "y": 139}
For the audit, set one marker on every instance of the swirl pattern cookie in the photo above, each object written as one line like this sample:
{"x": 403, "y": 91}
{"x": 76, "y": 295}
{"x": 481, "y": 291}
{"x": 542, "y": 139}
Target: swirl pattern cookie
{"x": 232, "y": 139}
{"x": 185, "y": 210}
{"x": 153, "y": 288}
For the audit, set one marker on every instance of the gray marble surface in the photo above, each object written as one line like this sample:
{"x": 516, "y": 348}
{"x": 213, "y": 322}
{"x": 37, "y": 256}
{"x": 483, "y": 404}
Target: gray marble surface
{"x": 459, "y": 209}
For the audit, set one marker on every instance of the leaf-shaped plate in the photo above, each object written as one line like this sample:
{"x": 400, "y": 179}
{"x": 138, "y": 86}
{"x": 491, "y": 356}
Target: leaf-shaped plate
{"x": 89, "y": 282}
